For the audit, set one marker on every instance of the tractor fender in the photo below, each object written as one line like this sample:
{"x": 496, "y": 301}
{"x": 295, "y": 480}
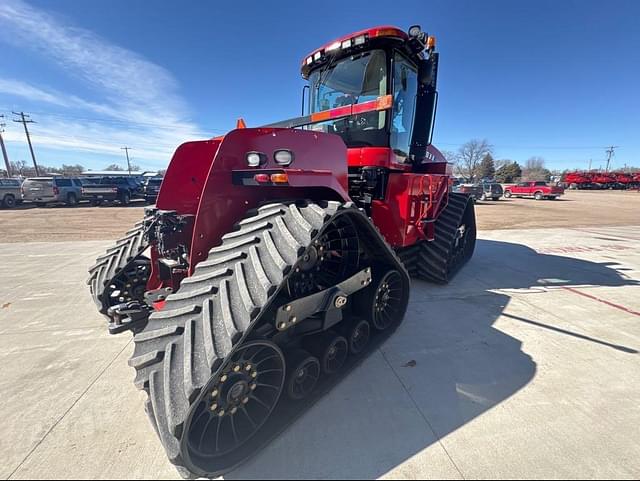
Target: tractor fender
{"x": 318, "y": 172}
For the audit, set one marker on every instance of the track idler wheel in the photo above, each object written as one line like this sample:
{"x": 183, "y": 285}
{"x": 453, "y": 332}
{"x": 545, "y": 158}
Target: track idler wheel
{"x": 238, "y": 401}
{"x": 385, "y": 302}
{"x": 358, "y": 334}
{"x": 332, "y": 351}
{"x": 304, "y": 372}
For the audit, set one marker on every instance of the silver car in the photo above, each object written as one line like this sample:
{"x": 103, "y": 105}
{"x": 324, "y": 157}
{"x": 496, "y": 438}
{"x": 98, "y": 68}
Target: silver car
{"x": 10, "y": 194}
{"x": 50, "y": 190}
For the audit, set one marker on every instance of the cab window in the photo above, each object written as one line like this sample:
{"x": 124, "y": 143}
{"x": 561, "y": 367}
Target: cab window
{"x": 405, "y": 88}
{"x": 352, "y": 80}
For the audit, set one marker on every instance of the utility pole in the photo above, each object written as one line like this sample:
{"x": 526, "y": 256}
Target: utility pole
{"x": 126, "y": 150}
{"x": 4, "y": 149}
{"x": 610, "y": 151}
{"x": 23, "y": 120}
{"x": 590, "y": 164}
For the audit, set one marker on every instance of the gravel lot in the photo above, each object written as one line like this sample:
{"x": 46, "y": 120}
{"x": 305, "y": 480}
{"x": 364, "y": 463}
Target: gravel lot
{"x": 575, "y": 209}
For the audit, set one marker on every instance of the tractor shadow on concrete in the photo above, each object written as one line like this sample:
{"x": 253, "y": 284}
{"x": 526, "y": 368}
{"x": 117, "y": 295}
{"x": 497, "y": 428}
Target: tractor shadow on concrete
{"x": 444, "y": 367}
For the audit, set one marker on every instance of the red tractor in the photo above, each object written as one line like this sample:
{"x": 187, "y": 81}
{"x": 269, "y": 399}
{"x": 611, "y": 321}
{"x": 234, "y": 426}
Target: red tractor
{"x": 277, "y": 257}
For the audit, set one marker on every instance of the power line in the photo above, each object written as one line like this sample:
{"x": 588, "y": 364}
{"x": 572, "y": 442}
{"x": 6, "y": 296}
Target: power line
{"x": 4, "y": 150}
{"x": 23, "y": 120}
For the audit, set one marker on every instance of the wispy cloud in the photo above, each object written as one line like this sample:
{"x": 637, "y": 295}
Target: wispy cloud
{"x": 138, "y": 98}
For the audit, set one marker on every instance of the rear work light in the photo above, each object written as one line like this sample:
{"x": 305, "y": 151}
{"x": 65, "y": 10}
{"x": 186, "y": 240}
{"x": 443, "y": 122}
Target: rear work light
{"x": 333, "y": 46}
{"x": 283, "y": 157}
{"x": 360, "y": 40}
{"x": 256, "y": 159}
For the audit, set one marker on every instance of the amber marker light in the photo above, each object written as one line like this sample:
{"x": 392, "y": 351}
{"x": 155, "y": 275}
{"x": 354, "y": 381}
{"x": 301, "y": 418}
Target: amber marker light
{"x": 280, "y": 178}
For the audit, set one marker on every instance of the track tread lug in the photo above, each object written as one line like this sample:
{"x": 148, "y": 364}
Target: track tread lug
{"x": 158, "y": 333}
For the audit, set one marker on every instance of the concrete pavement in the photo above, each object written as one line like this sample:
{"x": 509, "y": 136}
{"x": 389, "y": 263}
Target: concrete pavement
{"x": 527, "y": 365}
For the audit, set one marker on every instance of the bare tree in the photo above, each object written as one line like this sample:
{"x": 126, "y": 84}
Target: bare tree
{"x": 534, "y": 169}
{"x": 534, "y": 163}
{"x": 113, "y": 168}
{"x": 470, "y": 156}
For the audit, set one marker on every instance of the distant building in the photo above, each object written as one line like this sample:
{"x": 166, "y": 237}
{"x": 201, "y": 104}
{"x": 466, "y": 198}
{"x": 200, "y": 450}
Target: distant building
{"x": 118, "y": 173}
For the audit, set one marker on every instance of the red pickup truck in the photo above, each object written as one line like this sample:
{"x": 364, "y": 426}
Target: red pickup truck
{"x": 537, "y": 190}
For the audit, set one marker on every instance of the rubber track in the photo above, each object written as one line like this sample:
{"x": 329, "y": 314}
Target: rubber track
{"x": 430, "y": 260}
{"x": 116, "y": 258}
{"x": 188, "y": 341}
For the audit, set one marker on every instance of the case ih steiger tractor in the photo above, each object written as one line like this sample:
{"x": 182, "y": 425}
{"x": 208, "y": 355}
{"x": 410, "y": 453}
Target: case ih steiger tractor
{"x": 277, "y": 257}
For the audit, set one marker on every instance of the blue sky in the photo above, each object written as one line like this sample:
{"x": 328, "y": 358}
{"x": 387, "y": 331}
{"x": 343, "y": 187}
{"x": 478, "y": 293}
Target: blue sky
{"x": 557, "y": 79}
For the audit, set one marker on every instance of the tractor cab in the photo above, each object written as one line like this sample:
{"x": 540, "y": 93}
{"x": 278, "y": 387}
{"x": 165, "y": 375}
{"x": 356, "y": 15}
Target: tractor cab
{"x": 377, "y": 90}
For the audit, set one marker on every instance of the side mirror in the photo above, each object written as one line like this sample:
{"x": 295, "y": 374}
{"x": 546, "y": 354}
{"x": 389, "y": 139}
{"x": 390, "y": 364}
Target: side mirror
{"x": 426, "y": 72}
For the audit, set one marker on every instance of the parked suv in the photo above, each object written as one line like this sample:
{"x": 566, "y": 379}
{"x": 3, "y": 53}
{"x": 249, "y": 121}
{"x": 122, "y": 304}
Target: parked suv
{"x": 151, "y": 189}
{"x": 491, "y": 190}
{"x": 10, "y": 193}
{"x": 52, "y": 190}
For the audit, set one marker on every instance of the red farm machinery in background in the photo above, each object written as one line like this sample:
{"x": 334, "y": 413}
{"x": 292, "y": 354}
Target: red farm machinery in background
{"x": 601, "y": 180}
{"x": 278, "y": 257}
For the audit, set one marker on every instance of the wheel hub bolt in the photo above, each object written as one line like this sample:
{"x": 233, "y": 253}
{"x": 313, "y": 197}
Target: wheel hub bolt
{"x": 245, "y": 400}
{"x": 253, "y": 386}
{"x": 214, "y": 393}
{"x": 214, "y": 407}
{"x": 340, "y": 301}
{"x": 254, "y": 374}
{"x": 236, "y": 368}
{"x": 248, "y": 367}
{"x": 224, "y": 378}
{"x": 234, "y": 410}
{"x": 221, "y": 413}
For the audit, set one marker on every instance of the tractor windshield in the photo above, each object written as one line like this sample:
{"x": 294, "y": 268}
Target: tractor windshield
{"x": 351, "y": 80}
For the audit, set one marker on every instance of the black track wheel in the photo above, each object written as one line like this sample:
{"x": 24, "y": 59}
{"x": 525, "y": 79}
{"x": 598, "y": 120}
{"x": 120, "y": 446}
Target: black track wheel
{"x": 303, "y": 374}
{"x": 358, "y": 334}
{"x": 238, "y": 401}
{"x": 384, "y": 303}
{"x": 332, "y": 351}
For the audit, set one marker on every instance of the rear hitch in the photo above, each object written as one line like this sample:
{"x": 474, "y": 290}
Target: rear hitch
{"x": 129, "y": 316}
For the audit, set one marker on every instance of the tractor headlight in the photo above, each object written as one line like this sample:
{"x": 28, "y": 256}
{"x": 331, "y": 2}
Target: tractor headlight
{"x": 256, "y": 159}
{"x": 283, "y": 157}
